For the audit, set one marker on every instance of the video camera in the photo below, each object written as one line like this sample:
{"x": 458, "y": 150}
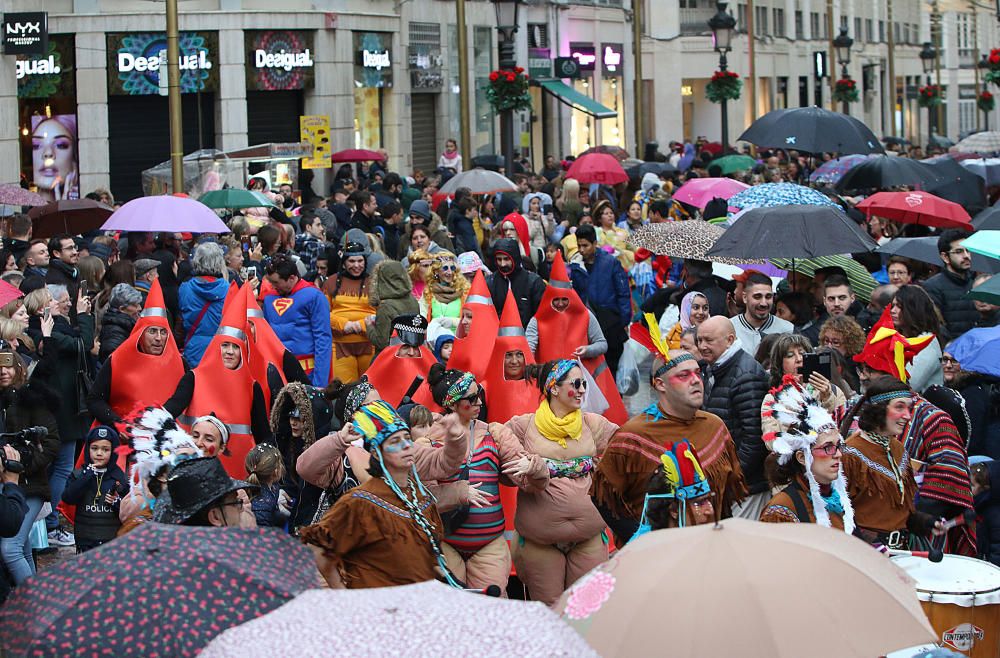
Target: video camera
{"x": 22, "y": 441}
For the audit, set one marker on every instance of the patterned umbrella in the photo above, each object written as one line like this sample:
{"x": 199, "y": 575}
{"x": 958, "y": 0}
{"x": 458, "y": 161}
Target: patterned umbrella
{"x": 426, "y": 619}
{"x": 984, "y": 142}
{"x": 15, "y": 195}
{"x": 689, "y": 239}
{"x": 831, "y": 171}
{"x": 769, "y": 195}
{"x": 161, "y": 590}
{"x": 861, "y": 280}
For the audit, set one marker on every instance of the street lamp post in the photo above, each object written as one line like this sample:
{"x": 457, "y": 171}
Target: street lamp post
{"x": 506, "y": 29}
{"x": 927, "y": 56}
{"x": 981, "y": 68}
{"x": 723, "y": 25}
{"x": 842, "y": 44}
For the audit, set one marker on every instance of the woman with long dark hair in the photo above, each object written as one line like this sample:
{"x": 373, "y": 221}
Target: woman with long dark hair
{"x": 914, "y": 314}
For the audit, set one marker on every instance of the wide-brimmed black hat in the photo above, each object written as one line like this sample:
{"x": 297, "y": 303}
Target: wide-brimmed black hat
{"x": 192, "y": 486}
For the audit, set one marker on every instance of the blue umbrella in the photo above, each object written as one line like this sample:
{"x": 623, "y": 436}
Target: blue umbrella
{"x": 769, "y": 195}
{"x": 978, "y": 350}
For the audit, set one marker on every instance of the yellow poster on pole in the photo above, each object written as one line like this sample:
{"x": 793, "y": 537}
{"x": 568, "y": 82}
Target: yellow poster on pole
{"x": 315, "y": 129}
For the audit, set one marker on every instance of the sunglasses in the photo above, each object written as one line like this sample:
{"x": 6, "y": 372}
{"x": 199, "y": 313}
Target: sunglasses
{"x": 473, "y": 399}
{"x": 831, "y": 449}
{"x": 579, "y": 384}
{"x": 448, "y": 267}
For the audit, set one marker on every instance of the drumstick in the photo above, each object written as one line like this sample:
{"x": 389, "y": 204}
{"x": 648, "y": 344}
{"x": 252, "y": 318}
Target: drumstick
{"x": 934, "y": 555}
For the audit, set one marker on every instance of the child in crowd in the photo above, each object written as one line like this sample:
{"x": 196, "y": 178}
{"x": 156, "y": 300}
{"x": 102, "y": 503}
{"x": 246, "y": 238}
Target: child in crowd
{"x": 442, "y": 348}
{"x": 96, "y": 489}
{"x": 265, "y": 468}
{"x": 420, "y": 419}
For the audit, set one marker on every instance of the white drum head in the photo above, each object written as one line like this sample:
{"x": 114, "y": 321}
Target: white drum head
{"x": 957, "y": 580}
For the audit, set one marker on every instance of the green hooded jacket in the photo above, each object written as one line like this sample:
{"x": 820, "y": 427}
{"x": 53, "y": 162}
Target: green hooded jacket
{"x": 393, "y": 290}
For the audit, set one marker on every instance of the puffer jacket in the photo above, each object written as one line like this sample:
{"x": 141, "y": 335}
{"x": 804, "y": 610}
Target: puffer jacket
{"x": 201, "y": 292}
{"x": 114, "y": 331}
{"x": 392, "y": 289}
{"x": 31, "y": 406}
{"x": 734, "y": 391}
{"x": 948, "y": 290}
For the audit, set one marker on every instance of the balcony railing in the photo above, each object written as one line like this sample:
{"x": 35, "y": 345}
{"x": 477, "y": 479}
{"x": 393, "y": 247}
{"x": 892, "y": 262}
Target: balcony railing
{"x": 695, "y": 21}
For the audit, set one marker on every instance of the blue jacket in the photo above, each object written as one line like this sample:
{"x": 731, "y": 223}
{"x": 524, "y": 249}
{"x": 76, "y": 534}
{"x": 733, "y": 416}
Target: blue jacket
{"x": 304, "y": 327}
{"x": 201, "y": 292}
{"x": 607, "y": 285}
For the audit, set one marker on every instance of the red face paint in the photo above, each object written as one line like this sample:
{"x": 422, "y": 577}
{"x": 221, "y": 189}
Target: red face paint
{"x": 685, "y": 376}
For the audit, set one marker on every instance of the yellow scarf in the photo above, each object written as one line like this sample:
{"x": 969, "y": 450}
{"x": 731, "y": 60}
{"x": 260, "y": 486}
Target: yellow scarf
{"x": 555, "y": 429}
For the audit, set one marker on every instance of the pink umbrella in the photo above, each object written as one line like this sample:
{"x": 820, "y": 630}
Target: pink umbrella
{"x": 15, "y": 195}
{"x": 165, "y": 213}
{"x": 598, "y": 168}
{"x": 8, "y": 293}
{"x": 699, "y": 191}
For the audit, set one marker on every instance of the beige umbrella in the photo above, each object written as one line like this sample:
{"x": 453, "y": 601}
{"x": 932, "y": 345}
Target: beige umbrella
{"x": 743, "y": 588}
{"x": 687, "y": 239}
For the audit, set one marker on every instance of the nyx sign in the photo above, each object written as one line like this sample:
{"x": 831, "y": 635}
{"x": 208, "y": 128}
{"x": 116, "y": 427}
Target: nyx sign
{"x": 26, "y": 33}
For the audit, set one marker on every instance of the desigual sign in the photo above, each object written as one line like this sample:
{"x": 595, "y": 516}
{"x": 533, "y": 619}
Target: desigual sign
{"x": 50, "y": 75}
{"x": 279, "y": 60}
{"x": 375, "y": 59}
{"x": 136, "y": 60}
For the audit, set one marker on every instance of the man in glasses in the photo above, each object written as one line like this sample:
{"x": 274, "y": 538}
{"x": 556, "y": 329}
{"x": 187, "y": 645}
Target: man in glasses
{"x": 633, "y": 455}
{"x": 201, "y": 493}
{"x": 948, "y": 288}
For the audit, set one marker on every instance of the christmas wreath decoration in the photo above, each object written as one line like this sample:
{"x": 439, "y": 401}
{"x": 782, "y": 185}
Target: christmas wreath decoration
{"x": 845, "y": 90}
{"x": 724, "y": 86}
{"x": 508, "y": 90}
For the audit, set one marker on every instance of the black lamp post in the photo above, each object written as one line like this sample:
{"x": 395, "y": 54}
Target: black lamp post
{"x": 842, "y": 45}
{"x": 506, "y": 29}
{"x": 723, "y": 25}
{"x": 927, "y": 56}
{"x": 983, "y": 65}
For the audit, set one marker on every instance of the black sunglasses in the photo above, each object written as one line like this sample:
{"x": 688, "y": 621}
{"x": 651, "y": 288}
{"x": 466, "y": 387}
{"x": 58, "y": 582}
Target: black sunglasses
{"x": 579, "y": 384}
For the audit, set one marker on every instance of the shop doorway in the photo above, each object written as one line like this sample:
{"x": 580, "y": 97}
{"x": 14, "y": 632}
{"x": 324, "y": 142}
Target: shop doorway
{"x": 423, "y": 124}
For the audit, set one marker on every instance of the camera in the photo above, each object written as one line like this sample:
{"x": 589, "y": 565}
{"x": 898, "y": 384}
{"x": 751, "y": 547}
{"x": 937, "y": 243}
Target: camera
{"x": 24, "y": 442}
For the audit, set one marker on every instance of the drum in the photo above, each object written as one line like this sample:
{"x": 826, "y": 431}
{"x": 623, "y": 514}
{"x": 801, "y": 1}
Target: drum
{"x": 961, "y": 598}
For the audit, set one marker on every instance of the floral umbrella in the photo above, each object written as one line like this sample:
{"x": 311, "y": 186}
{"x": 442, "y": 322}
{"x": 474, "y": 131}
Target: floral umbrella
{"x": 769, "y": 195}
{"x": 832, "y": 171}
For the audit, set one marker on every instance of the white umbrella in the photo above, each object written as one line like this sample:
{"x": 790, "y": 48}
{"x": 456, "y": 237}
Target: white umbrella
{"x": 480, "y": 181}
{"x": 984, "y": 142}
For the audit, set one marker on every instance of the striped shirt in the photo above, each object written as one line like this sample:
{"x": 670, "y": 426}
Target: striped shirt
{"x": 483, "y": 524}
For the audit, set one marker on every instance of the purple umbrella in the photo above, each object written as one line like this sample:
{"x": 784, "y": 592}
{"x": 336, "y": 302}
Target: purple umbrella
{"x": 165, "y": 213}
{"x": 15, "y": 195}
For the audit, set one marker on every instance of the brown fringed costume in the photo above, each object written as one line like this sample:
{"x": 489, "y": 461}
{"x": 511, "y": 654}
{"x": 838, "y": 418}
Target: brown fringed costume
{"x": 883, "y": 500}
{"x": 786, "y": 505}
{"x": 622, "y": 477}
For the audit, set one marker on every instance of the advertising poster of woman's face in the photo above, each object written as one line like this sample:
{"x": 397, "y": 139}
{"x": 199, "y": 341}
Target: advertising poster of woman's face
{"x": 55, "y": 162}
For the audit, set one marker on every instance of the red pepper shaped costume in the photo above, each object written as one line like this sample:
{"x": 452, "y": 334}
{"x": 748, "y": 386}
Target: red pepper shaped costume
{"x": 267, "y": 352}
{"x": 506, "y": 398}
{"x": 469, "y": 351}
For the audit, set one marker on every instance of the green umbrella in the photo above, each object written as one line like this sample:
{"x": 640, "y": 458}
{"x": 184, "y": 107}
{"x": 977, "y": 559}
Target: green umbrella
{"x": 861, "y": 280}
{"x": 986, "y": 243}
{"x": 988, "y": 291}
{"x": 733, "y": 163}
{"x": 234, "y": 197}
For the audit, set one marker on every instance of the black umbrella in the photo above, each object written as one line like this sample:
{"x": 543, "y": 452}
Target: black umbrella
{"x": 812, "y": 130}
{"x": 885, "y": 171}
{"x": 640, "y": 170}
{"x": 987, "y": 220}
{"x": 898, "y": 141}
{"x": 161, "y": 590}
{"x": 793, "y": 231}
{"x": 941, "y": 142}
{"x": 926, "y": 251}
{"x": 960, "y": 185}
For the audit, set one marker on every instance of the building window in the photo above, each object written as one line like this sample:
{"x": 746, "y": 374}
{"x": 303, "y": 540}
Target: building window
{"x": 857, "y": 29}
{"x": 814, "y": 32}
{"x": 741, "y": 18}
{"x": 881, "y": 31}
{"x": 760, "y": 28}
{"x": 779, "y": 22}
{"x": 869, "y": 31}
{"x": 800, "y": 32}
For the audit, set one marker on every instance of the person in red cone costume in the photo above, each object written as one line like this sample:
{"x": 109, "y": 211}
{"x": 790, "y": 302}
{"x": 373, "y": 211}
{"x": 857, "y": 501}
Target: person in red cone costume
{"x": 564, "y": 328}
{"x": 143, "y": 371}
{"x": 406, "y": 358}
{"x": 223, "y": 386}
{"x": 508, "y": 392}
{"x": 271, "y": 363}
{"x": 477, "y": 330}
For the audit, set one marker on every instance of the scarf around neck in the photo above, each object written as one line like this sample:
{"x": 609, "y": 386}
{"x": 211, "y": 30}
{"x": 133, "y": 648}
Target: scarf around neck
{"x": 444, "y": 292}
{"x": 558, "y": 430}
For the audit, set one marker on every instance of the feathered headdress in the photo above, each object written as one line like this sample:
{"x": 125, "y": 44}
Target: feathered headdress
{"x": 682, "y": 472}
{"x": 803, "y": 419}
{"x": 888, "y": 351}
{"x": 157, "y": 440}
{"x": 647, "y": 333}
{"x": 376, "y": 422}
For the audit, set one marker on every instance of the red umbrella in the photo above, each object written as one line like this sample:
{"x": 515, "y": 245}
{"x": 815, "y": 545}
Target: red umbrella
{"x": 356, "y": 155}
{"x": 597, "y": 168}
{"x": 68, "y": 216}
{"x": 8, "y": 293}
{"x": 916, "y": 208}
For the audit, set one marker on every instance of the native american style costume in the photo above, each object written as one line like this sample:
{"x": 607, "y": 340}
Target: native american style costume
{"x": 930, "y": 438}
{"x": 803, "y": 418}
{"x": 634, "y": 452}
{"x": 680, "y": 480}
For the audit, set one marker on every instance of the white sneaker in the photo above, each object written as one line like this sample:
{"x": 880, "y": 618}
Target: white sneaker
{"x": 61, "y": 537}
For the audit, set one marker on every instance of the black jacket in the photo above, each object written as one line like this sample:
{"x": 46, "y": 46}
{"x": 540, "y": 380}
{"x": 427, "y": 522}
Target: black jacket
{"x": 115, "y": 329}
{"x": 96, "y": 520}
{"x": 527, "y": 287}
{"x": 58, "y": 367}
{"x": 988, "y": 511}
{"x": 734, "y": 392}
{"x": 31, "y": 406}
{"x": 948, "y": 290}
{"x": 13, "y": 507}
{"x": 59, "y": 273}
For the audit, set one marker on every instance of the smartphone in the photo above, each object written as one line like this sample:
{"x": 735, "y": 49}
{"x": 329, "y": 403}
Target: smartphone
{"x": 84, "y": 288}
{"x": 245, "y": 243}
{"x": 47, "y": 313}
{"x": 821, "y": 363}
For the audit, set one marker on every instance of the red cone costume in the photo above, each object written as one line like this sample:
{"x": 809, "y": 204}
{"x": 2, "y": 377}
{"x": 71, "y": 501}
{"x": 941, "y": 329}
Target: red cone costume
{"x": 226, "y": 393}
{"x": 560, "y": 333}
{"x": 267, "y": 352}
{"x": 470, "y": 352}
{"x": 393, "y": 375}
{"x": 506, "y": 398}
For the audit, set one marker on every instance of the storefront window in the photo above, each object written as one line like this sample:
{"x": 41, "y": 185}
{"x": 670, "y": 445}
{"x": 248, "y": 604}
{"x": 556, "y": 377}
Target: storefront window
{"x": 372, "y": 73}
{"x": 583, "y": 128}
{"x": 482, "y": 61}
{"x": 454, "y": 104}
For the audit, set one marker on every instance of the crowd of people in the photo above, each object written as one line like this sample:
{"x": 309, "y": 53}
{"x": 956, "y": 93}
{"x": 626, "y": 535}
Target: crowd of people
{"x": 472, "y": 386}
